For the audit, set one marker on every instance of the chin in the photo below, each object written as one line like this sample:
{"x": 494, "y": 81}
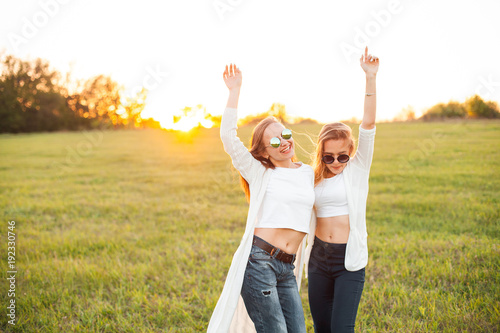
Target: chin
{"x": 336, "y": 171}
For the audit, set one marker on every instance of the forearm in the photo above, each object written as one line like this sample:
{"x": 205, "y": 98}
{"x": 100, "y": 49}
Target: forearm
{"x": 370, "y": 102}
{"x": 242, "y": 159}
{"x": 234, "y": 95}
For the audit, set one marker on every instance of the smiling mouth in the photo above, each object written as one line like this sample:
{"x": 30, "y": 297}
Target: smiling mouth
{"x": 286, "y": 150}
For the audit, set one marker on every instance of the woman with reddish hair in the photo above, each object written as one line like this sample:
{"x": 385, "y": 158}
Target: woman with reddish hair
{"x": 280, "y": 192}
{"x": 337, "y": 251}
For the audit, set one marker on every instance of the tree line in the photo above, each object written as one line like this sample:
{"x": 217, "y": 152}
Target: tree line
{"x": 472, "y": 108}
{"x": 34, "y": 98}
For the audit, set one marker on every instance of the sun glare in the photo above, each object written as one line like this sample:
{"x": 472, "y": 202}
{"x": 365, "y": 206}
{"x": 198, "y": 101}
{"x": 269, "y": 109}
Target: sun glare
{"x": 191, "y": 118}
{"x": 186, "y": 124}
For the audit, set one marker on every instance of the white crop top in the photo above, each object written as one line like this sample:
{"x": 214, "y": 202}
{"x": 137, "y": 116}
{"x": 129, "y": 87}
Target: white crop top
{"x": 331, "y": 197}
{"x": 289, "y": 199}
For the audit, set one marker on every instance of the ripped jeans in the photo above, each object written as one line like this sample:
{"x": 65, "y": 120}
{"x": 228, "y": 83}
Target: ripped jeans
{"x": 271, "y": 294}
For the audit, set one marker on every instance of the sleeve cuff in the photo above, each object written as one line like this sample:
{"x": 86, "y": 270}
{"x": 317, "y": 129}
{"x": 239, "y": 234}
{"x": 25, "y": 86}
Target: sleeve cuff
{"x": 367, "y": 131}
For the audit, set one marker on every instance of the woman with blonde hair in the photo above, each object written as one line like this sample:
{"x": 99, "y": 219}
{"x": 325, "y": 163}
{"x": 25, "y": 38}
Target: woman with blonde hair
{"x": 337, "y": 251}
{"x": 280, "y": 192}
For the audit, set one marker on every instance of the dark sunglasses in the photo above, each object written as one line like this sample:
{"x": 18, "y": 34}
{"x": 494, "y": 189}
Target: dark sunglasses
{"x": 329, "y": 159}
{"x": 276, "y": 142}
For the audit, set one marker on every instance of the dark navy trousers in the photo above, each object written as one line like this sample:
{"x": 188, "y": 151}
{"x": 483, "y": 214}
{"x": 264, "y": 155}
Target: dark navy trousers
{"x": 334, "y": 292}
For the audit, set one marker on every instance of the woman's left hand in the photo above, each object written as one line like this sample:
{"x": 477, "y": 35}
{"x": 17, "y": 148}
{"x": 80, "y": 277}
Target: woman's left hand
{"x": 369, "y": 63}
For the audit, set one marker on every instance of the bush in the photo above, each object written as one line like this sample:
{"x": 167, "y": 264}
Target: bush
{"x": 441, "y": 111}
{"x": 473, "y": 107}
{"x": 477, "y": 108}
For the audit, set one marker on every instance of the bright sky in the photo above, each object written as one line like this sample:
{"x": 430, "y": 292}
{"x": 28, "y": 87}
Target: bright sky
{"x": 304, "y": 54}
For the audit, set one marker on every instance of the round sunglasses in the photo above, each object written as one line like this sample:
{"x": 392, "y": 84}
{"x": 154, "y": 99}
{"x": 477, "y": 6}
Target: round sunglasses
{"x": 276, "y": 142}
{"x": 329, "y": 159}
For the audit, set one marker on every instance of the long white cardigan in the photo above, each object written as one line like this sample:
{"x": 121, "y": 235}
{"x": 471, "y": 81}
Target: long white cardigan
{"x": 230, "y": 314}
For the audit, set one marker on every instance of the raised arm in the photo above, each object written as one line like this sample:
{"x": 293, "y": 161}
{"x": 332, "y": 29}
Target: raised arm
{"x": 364, "y": 153}
{"x": 242, "y": 159}
{"x": 369, "y": 63}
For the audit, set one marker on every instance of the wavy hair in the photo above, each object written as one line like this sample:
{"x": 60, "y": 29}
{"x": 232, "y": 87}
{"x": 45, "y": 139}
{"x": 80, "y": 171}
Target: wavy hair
{"x": 257, "y": 149}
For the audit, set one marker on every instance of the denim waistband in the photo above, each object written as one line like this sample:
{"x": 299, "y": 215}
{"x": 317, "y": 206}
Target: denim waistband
{"x": 330, "y": 246}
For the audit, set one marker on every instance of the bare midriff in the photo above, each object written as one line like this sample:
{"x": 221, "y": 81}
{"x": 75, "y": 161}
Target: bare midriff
{"x": 287, "y": 240}
{"x": 333, "y": 229}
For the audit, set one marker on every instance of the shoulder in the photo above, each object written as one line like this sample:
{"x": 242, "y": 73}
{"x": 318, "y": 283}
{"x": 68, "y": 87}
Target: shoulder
{"x": 321, "y": 184}
{"x": 306, "y": 168}
{"x": 261, "y": 175}
{"x": 308, "y": 171}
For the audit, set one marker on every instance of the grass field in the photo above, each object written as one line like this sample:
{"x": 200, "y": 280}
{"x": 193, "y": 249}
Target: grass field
{"x": 134, "y": 231}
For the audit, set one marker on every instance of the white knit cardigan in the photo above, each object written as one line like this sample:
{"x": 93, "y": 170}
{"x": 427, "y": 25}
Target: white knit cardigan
{"x": 356, "y": 174}
{"x": 230, "y": 314}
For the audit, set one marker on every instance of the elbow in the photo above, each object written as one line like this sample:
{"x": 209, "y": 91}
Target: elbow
{"x": 224, "y": 138}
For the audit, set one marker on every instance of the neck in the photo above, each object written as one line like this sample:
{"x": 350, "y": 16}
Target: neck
{"x": 329, "y": 174}
{"x": 284, "y": 164}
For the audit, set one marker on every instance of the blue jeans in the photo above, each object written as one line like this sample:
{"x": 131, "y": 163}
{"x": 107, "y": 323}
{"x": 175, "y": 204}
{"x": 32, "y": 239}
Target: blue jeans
{"x": 271, "y": 294}
{"x": 334, "y": 292}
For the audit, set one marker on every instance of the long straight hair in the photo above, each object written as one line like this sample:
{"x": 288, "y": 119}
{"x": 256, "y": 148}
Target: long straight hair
{"x": 333, "y": 131}
{"x": 257, "y": 149}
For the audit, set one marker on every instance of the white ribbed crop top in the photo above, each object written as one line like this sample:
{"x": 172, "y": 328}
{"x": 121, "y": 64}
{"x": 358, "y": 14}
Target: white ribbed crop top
{"x": 289, "y": 199}
{"x": 331, "y": 197}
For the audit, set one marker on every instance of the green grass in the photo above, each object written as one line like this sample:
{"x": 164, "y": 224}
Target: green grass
{"x": 136, "y": 232}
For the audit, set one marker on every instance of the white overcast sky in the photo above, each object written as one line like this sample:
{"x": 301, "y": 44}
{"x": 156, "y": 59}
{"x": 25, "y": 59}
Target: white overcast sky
{"x": 290, "y": 52}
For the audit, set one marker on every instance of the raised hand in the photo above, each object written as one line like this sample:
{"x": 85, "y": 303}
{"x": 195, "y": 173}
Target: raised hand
{"x": 232, "y": 77}
{"x": 369, "y": 63}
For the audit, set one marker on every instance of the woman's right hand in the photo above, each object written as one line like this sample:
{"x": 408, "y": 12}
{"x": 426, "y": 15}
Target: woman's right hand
{"x": 232, "y": 77}
{"x": 369, "y": 63}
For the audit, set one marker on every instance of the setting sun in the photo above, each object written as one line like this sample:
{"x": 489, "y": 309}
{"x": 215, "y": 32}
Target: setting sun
{"x": 186, "y": 124}
{"x": 191, "y": 117}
